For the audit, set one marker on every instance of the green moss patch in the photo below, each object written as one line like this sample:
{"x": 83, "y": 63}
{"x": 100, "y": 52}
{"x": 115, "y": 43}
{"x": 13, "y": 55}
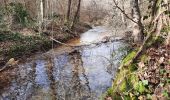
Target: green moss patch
{"x": 127, "y": 85}
{"x": 128, "y": 58}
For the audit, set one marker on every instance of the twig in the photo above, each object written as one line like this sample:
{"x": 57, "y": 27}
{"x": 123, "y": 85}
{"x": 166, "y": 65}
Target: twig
{"x": 116, "y": 4}
{"x": 61, "y": 42}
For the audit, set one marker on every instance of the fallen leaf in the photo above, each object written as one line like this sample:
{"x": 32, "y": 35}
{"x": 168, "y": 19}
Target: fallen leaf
{"x": 141, "y": 64}
{"x": 161, "y": 60}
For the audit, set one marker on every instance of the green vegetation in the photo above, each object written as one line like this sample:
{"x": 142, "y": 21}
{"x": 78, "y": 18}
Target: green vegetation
{"x": 128, "y": 58}
{"x": 22, "y": 45}
{"x": 19, "y": 32}
{"x": 21, "y": 14}
{"x": 128, "y": 85}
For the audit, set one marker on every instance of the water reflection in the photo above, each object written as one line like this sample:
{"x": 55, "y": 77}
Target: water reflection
{"x": 80, "y": 85}
{"x": 77, "y": 74}
{"x": 53, "y": 83}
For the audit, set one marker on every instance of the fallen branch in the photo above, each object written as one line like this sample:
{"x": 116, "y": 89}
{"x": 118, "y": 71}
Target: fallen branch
{"x": 61, "y": 42}
{"x": 90, "y": 43}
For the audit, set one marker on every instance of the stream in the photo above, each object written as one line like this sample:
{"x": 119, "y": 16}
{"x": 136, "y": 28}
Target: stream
{"x": 67, "y": 73}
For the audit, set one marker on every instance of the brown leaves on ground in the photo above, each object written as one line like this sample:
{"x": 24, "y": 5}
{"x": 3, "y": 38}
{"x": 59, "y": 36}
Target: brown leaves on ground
{"x": 6, "y": 76}
{"x": 8, "y": 73}
{"x": 157, "y": 71}
{"x": 108, "y": 98}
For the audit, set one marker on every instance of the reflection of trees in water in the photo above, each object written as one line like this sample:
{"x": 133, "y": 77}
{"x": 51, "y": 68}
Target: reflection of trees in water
{"x": 33, "y": 74}
{"x": 53, "y": 85}
{"x": 79, "y": 91}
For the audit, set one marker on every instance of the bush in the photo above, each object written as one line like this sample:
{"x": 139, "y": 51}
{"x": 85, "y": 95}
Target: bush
{"x": 20, "y": 13}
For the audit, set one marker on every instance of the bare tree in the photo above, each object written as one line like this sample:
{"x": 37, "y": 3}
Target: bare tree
{"x": 138, "y": 30}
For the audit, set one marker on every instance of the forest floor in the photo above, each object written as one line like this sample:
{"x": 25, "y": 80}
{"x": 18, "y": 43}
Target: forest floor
{"x": 147, "y": 79}
{"x": 20, "y": 44}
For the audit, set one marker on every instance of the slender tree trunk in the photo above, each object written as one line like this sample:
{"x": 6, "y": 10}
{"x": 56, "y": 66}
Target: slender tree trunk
{"x": 167, "y": 42}
{"x": 138, "y": 31}
{"x": 44, "y": 7}
{"x": 69, "y": 10}
{"x": 40, "y": 15}
{"x": 5, "y": 4}
{"x": 76, "y": 17}
{"x": 122, "y": 15}
{"x": 155, "y": 11}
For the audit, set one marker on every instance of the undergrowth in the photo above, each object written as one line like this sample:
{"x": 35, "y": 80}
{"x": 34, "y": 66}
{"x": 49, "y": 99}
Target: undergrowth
{"x": 127, "y": 84}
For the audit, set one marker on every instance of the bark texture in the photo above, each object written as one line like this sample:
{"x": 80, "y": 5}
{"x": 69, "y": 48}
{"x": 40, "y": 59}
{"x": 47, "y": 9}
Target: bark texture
{"x": 138, "y": 31}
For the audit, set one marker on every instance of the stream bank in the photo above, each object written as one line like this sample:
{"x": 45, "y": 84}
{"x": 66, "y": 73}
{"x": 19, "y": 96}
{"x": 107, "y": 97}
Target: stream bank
{"x": 20, "y": 44}
{"x": 145, "y": 79}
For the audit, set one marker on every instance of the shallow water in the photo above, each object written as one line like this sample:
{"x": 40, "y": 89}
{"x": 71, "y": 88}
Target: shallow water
{"x": 67, "y": 73}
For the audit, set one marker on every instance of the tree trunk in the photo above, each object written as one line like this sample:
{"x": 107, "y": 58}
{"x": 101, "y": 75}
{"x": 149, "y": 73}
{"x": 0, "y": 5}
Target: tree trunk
{"x": 69, "y": 10}
{"x": 167, "y": 42}
{"x": 76, "y": 17}
{"x": 138, "y": 31}
{"x": 40, "y": 15}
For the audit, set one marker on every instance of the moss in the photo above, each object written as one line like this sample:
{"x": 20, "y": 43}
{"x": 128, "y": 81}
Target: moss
{"x": 128, "y": 84}
{"x": 110, "y": 91}
{"x": 144, "y": 58}
{"x": 155, "y": 41}
{"x": 133, "y": 67}
{"x": 128, "y": 58}
{"x": 125, "y": 80}
{"x": 166, "y": 29}
{"x": 125, "y": 87}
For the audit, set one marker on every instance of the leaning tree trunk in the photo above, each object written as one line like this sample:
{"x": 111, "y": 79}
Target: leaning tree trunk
{"x": 138, "y": 31}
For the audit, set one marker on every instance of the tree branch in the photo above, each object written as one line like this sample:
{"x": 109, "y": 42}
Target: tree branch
{"x": 116, "y": 4}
